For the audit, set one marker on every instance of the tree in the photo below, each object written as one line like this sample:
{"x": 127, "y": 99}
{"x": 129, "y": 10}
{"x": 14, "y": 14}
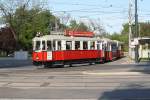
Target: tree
{"x": 8, "y": 8}
{"x": 97, "y": 28}
{"x": 28, "y": 22}
{"x": 25, "y": 21}
{"x": 144, "y": 28}
{"x": 78, "y": 26}
{"x": 122, "y": 38}
{"x": 7, "y": 42}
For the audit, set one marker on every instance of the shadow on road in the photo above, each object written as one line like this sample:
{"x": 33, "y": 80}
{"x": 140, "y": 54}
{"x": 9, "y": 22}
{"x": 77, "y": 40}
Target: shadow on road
{"x": 15, "y": 63}
{"x": 132, "y": 92}
{"x": 143, "y": 67}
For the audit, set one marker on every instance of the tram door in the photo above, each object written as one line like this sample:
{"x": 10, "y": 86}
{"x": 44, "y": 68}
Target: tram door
{"x": 43, "y": 50}
{"x": 99, "y": 49}
{"x": 49, "y": 50}
{"x": 103, "y": 49}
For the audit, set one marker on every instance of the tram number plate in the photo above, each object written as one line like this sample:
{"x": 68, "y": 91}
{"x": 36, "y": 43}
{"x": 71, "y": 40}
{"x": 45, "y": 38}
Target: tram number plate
{"x": 49, "y": 55}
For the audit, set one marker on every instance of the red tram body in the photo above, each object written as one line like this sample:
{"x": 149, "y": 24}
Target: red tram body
{"x": 59, "y": 49}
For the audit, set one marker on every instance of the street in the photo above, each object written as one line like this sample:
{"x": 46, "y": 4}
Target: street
{"x": 117, "y": 80}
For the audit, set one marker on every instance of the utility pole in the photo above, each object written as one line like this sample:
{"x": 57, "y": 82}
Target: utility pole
{"x": 130, "y": 26}
{"x": 136, "y": 32}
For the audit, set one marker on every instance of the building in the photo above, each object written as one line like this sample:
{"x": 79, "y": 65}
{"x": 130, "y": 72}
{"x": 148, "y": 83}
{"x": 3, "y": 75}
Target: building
{"x": 143, "y": 44}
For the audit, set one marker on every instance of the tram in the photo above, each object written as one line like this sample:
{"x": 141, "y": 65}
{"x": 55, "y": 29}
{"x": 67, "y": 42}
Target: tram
{"x": 67, "y": 50}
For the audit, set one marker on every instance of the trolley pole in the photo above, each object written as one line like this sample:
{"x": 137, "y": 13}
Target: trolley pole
{"x": 136, "y": 32}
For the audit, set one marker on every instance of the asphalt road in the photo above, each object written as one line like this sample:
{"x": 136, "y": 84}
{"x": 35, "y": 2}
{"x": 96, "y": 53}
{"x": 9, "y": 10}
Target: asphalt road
{"x": 118, "y": 80}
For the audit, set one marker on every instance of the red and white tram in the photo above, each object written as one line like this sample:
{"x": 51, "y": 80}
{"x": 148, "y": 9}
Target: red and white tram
{"x": 59, "y": 49}
{"x": 113, "y": 49}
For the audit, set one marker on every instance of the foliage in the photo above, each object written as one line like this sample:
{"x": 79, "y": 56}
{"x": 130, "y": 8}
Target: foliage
{"x": 7, "y": 42}
{"x": 144, "y": 28}
{"x": 120, "y": 37}
{"x": 78, "y": 26}
{"x": 27, "y": 22}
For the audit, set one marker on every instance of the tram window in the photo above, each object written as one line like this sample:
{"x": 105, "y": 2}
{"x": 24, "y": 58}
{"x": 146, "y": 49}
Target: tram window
{"x": 59, "y": 45}
{"x": 68, "y": 45}
{"x": 54, "y": 46}
{"x": 77, "y": 45}
{"x": 103, "y": 46}
{"x": 49, "y": 45}
{"x": 98, "y": 46}
{"x": 85, "y": 45}
{"x": 113, "y": 47}
{"x": 37, "y": 47}
{"x": 107, "y": 47}
{"x": 92, "y": 45}
{"x": 43, "y": 45}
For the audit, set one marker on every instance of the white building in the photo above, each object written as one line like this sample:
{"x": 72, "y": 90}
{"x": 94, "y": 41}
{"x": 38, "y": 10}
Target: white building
{"x": 143, "y": 45}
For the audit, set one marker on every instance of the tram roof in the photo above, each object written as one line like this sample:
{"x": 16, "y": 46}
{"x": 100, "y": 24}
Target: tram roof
{"x": 69, "y": 38}
{"x": 62, "y": 37}
{"x": 117, "y": 41}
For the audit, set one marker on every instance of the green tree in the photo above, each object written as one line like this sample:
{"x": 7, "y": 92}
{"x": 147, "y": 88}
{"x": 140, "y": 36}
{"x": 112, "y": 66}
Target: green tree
{"x": 27, "y": 22}
{"x": 78, "y": 26}
{"x": 144, "y": 28}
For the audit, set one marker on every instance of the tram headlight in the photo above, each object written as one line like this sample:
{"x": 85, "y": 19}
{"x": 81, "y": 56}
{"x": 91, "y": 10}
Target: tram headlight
{"x": 37, "y": 57}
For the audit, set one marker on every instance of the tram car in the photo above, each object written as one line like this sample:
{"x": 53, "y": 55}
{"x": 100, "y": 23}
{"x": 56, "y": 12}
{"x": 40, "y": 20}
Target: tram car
{"x": 67, "y": 50}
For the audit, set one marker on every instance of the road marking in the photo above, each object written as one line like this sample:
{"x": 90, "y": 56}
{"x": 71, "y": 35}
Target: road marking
{"x": 111, "y": 73}
{"x": 24, "y": 84}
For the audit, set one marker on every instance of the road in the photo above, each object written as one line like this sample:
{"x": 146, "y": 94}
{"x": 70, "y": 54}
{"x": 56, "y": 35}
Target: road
{"x": 118, "y": 80}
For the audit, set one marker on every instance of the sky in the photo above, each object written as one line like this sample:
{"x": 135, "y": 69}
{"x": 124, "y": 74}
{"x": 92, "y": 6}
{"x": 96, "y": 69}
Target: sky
{"x": 111, "y": 14}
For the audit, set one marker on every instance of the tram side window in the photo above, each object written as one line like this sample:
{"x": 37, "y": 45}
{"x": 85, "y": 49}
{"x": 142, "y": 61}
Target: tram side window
{"x": 98, "y": 45}
{"x": 59, "y": 45}
{"x": 54, "y": 46}
{"x": 113, "y": 47}
{"x": 43, "y": 45}
{"x": 104, "y": 47}
{"x": 49, "y": 45}
{"x": 92, "y": 45}
{"x": 37, "y": 47}
{"x": 107, "y": 47}
{"x": 85, "y": 45}
{"x": 68, "y": 45}
{"x": 77, "y": 45}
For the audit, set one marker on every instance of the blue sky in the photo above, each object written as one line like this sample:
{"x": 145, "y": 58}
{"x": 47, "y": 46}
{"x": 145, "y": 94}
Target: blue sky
{"x": 110, "y": 13}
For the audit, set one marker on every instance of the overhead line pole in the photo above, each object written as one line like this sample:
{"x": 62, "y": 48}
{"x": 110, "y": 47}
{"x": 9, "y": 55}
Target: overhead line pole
{"x": 130, "y": 26}
{"x": 136, "y": 32}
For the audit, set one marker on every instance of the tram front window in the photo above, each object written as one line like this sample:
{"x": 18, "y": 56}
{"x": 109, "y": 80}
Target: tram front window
{"x": 37, "y": 47}
{"x": 43, "y": 45}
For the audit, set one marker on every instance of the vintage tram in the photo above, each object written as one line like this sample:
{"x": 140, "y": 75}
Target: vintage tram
{"x": 60, "y": 49}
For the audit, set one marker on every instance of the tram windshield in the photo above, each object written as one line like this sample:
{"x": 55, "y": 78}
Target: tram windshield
{"x": 37, "y": 45}
{"x": 42, "y": 45}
